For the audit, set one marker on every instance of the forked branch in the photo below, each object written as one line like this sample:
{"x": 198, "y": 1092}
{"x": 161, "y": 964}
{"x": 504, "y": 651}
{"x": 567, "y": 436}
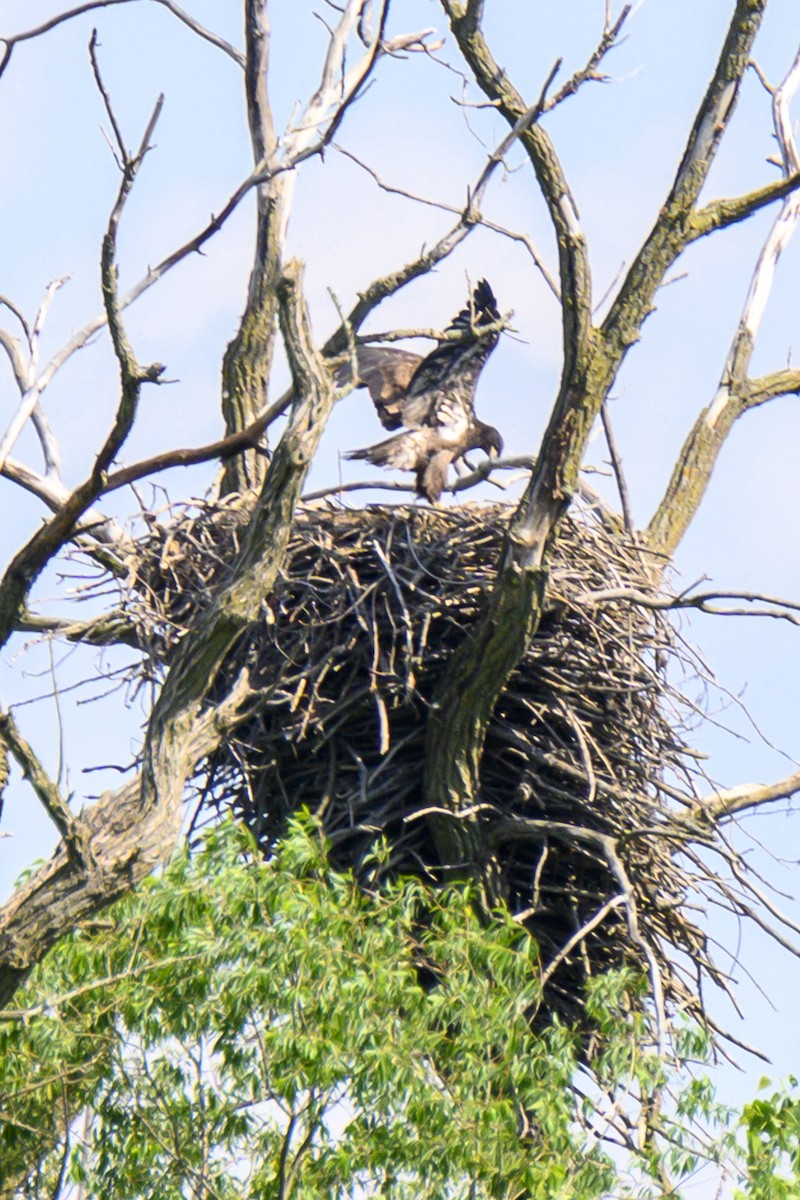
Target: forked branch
{"x": 30, "y": 561}
{"x": 737, "y": 393}
{"x": 248, "y": 358}
{"x": 47, "y": 791}
{"x": 92, "y": 5}
{"x": 479, "y": 669}
{"x": 131, "y": 830}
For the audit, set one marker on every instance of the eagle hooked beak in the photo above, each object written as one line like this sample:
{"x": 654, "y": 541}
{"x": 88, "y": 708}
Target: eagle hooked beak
{"x": 493, "y": 444}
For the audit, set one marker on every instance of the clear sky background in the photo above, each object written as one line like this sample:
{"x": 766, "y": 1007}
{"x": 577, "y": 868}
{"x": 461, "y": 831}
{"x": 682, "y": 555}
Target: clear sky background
{"x": 620, "y": 145}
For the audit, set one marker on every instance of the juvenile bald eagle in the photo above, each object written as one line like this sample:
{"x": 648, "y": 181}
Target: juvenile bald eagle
{"x": 432, "y": 396}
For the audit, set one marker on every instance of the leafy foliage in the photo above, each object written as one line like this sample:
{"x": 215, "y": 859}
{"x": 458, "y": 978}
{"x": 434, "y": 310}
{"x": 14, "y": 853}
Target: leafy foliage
{"x": 249, "y": 1028}
{"x": 772, "y": 1132}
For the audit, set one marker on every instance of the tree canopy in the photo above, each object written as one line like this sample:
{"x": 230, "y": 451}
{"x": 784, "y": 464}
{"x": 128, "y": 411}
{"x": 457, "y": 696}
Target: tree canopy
{"x": 205, "y": 1031}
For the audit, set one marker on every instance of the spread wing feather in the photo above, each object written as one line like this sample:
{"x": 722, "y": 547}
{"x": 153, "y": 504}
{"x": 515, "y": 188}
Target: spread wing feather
{"x": 403, "y": 451}
{"x": 418, "y": 450}
{"x": 447, "y": 378}
{"x": 386, "y": 373}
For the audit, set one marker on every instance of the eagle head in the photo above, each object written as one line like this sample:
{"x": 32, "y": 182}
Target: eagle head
{"x": 491, "y": 441}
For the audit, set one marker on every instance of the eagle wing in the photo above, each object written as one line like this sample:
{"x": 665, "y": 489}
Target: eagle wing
{"x": 386, "y": 373}
{"x": 442, "y": 390}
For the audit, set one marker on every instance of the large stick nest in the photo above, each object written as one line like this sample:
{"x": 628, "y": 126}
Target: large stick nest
{"x": 345, "y": 663}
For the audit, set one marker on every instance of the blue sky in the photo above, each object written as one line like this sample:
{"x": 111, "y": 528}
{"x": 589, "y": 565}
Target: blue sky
{"x": 620, "y": 144}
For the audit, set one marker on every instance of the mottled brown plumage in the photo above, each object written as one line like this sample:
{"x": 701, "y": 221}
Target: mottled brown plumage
{"x": 433, "y": 397}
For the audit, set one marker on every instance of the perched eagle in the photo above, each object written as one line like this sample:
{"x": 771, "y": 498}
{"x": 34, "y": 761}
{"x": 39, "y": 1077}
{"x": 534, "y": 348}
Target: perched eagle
{"x": 432, "y": 396}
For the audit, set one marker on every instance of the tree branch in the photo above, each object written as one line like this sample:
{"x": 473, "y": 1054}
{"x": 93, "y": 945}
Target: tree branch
{"x": 47, "y": 792}
{"x": 575, "y": 278}
{"x": 382, "y": 288}
{"x": 673, "y": 228}
{"x": 124, "y": 845}
{"x": 719, "y": 214}
{"x": 199, "y": 656}
{"x": 770, "y": 387}
{"x": 92, "y": 5}
{"x": 108, "y": 629}
{"x": 295, "y": 148}
{"x": 512, "y": 234}
{"x": 248, "y": 357}
{"x": 477, "y": 672}
{"x": 252, "y": 435}
{"x": 131, "y": 830}
{"x": 736, "y": 394}
{"x": 25, "y": 375}
{"x": 616, "y": 466}
{"x": 589, "y": 72}
{"x": 55, "y": 495}
{"x": 725, "y": 804}
{"x": 29, "y": 562}
{"x": 500, "y": 829}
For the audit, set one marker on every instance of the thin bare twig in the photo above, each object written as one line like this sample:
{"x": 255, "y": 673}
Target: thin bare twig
{"x": 25, "y": 376}
{"x": 380, "y": 289}
{"x": 784, "y": 610}
{"x": 514, "y": 235}
{"x": 589, "y": 73}
{"x": 28, "y": 563}
{"x": 92, "y": 5}
{"x": 124, "y": 156}
{"x": 616, "y": 466}
{"x": 47, "y": 792}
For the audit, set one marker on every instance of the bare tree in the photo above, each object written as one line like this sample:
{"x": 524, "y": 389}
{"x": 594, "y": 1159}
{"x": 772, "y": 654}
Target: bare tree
{"x": 107, "y": 848}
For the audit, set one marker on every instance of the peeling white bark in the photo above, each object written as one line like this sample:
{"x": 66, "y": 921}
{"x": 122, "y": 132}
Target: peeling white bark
{"x": 782, "y": 230}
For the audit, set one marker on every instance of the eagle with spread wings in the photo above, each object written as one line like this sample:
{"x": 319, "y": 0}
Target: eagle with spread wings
{"x": 432, "y": 396}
